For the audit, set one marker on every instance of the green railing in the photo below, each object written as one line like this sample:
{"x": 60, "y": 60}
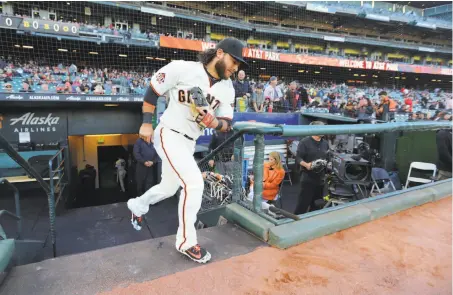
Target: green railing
{"x": 16, "y": 216}
{"x": 261, "y": 129}
{"x": 4, "y": 144}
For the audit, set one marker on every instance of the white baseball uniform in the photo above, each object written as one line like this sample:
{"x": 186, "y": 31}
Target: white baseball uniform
{"x": 174, "y": 141}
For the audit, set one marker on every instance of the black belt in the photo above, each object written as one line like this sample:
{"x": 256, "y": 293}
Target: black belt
{"x": 186, "y": 136}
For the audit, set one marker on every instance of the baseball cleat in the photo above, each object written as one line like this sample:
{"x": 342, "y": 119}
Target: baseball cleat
{"x": 136, "y": 221}
{"x": 197, "y": 254}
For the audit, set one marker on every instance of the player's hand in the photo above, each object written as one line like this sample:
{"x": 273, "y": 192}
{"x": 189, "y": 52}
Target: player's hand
{"x": 211, "y": 163}
{"x": 204, "y": 119}
{"x": 146, "y": 132}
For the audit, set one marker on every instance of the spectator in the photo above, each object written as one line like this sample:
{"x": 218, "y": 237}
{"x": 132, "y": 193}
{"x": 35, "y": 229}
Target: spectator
{"x": 292, "y": 96}
{"x": 8, "y": 87}
{"x": 274, "y": 94}
{"x": 257, "y": 101}
{"x": 26, "y": 87}
{"x": 242, "y": 90}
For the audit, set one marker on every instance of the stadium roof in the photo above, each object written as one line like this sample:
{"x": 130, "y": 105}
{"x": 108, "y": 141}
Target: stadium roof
{"x": 422, "y": 4}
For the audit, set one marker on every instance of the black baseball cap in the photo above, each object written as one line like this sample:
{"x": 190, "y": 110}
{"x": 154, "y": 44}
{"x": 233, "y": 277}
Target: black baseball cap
{"x": 233, "y": 47}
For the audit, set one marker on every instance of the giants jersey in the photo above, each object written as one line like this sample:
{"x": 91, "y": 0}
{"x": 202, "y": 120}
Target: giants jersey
{"x": 176, "y": 79}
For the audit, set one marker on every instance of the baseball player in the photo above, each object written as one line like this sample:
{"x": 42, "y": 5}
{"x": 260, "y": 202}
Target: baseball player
{"x": 187, "y": 83}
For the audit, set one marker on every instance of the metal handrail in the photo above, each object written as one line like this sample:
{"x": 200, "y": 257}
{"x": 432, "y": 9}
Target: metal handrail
{"x": 10, "y": 151}
{"x": 52, "y": 202}
{"x": 17, "y": 204}
{"x": 260, "y": 129}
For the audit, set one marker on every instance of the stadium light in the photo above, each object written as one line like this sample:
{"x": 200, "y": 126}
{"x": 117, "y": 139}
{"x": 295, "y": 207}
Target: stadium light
{"x": 122, "y": 55}
{"x": 159, "y": 58}
{"x": 111, "y": 105}
{"x": 356, "y": 75}
{"x": 301, "y": 71}
{"x": 17, "y": 45}
{"x": 433, "y": 80}
{"x": 149, "y": 57}
{"x": 262, "y": 68}
{"x": 316, "y": 72}
{"x": 92, "y": 52}
{"x": 27, "y": 46}
{"x": 62, "y": 50}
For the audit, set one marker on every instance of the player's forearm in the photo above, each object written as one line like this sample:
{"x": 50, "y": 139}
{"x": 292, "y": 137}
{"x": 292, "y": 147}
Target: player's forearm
{"x": 222, "y": 125}
{"x": 149, "y": 104}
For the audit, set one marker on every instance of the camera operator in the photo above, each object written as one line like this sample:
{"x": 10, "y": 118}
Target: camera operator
{"x": 310, "y": 149}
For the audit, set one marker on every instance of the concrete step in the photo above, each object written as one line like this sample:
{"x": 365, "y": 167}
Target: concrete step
{"x": 101, "y": 270}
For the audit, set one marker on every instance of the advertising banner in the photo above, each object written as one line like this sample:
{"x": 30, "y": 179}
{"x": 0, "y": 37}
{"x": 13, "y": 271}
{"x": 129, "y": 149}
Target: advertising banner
{"x": 54, "y": 97}
{"x": 34, "y": 126}
{"x": 302, "y": 59}
{"x": 271, "y": 118}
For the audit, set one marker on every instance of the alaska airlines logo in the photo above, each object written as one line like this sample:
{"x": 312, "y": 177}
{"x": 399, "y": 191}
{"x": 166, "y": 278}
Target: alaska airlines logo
{"x": 30, "y": 119}
{"x": 12, "y": 96}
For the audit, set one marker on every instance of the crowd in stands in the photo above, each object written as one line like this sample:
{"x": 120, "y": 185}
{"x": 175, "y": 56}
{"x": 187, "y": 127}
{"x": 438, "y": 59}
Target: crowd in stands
{"x": 409, "y": 13}
{"x": 69, "y": 79}
{"x": 253, "y": 96}
{"x": 365, "y": 103}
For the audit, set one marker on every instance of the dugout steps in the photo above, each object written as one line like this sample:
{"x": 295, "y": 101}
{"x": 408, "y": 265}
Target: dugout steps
{"x": 102, "y": 270}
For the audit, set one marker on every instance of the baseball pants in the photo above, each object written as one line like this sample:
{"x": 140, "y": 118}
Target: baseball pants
{"x": 178, "y": 169}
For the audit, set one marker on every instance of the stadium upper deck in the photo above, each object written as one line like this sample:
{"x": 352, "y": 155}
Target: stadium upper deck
{"x": 307, "y": 28}
{"x": 147, "y": 35}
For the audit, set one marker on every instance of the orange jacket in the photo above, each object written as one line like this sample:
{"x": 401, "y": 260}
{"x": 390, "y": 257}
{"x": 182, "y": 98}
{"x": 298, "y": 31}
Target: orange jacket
{"x": 271, "y": 181}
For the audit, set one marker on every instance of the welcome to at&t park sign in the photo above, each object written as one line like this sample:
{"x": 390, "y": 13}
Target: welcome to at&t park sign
{"x": 303, "y": 59}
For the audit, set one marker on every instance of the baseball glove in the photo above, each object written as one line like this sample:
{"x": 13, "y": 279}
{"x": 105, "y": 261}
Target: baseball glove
{"x": 318, "y": 165}
{"x": 200, "y": 108}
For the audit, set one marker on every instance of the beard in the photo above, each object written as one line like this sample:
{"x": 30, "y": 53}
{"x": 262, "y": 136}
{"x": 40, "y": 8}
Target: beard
{"x": 220, "y": 68}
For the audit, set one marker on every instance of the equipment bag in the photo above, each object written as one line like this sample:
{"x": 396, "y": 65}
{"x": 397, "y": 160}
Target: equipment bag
{"x": 40, "y": 164}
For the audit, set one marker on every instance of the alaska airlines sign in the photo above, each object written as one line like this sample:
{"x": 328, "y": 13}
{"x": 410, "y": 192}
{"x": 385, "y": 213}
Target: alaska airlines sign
{"x": 30, "y": 122}
{"x": 42, "y": 126}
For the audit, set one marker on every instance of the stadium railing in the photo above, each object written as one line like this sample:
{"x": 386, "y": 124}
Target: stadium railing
{"x": 261, "y": 129}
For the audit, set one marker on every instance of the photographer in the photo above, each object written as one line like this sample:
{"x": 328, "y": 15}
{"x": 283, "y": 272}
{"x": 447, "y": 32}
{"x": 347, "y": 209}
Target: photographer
{"x": 310, "y": 149}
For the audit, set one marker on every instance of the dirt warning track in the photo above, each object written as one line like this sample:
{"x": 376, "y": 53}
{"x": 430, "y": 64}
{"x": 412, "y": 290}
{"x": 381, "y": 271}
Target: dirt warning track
{"x": 406, "y": 253}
